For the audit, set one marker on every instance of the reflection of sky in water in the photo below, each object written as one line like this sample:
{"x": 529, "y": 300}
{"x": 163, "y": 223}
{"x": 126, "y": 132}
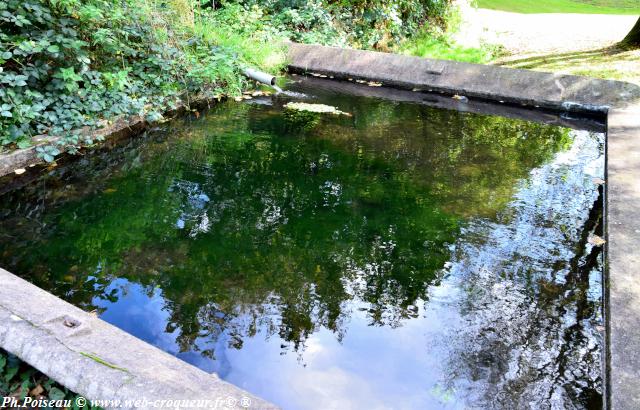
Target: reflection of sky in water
{"x": 485, "y": 336}
{"x": 373, "y": 367}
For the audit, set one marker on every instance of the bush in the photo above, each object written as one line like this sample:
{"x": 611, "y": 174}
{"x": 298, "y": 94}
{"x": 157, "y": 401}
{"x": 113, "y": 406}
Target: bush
{"x": 361, "y": 23}
{"x": 65, "y": 64}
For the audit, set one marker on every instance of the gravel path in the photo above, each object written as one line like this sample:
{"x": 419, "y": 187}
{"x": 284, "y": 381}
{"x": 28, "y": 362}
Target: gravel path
{"x": 524, "y": 34}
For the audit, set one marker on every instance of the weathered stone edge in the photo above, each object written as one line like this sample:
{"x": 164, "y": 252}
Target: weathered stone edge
{"x": 622, "y": 284}
{"x": 98, "y": 360}
{"x": 121, "y": 127}
{"x": 565, "y": 93}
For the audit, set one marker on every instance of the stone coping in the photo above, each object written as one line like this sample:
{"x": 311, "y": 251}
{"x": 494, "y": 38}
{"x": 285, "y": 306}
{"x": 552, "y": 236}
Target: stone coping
{"x": 566, "y": 93}
{"x": 97, "y": 360}
{"x": 121, "y": 127}
{"x": 100, "y": 361}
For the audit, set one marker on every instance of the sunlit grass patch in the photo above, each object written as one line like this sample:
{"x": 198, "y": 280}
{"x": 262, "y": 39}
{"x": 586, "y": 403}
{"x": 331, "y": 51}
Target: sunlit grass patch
{"x": 563, "y": 6}
{"x": 440, "y": 47}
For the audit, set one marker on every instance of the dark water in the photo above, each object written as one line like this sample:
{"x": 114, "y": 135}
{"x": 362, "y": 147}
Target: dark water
{"x": 404, "y": 257}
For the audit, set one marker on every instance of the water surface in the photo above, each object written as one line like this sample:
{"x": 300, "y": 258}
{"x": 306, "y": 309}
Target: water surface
{"x": 402, "y": 257}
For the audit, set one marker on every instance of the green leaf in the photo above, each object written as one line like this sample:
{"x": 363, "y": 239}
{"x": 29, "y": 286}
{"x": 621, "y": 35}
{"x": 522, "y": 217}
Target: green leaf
{"x": 22, "y": 144}
{"x": 24, "y": 388}
{"x": 6, "y": 55}
{"x": 47, "y": 157}
{"x": 56, "y": 394}
{"x": 53, "y": 49}
{"x": 11, "y": 372}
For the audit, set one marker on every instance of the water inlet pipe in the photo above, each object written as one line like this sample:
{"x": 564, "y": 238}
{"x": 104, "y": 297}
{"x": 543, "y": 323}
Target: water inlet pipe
{"x": 259, "y": 76}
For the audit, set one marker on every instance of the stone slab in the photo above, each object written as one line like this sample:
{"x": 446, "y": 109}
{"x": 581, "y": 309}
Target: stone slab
{"x": 100, "y": 361}
{"x": 306, "y": 84}
{"x": 521, "y": 87}
{"x": 121, "y": 127}
{"x": 623, "y": 257}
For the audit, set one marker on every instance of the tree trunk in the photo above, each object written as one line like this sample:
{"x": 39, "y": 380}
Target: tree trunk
{"x": 633, "y": 38}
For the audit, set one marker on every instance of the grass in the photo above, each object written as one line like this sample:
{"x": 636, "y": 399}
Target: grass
{"x": 440, "y": 47}
{"x": 269, "y": 56}
{"x": 611, "y": 63}
{"x": 563, "y": 6}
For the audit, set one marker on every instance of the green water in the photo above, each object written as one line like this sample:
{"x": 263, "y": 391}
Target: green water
{"x": 240, "y": 240}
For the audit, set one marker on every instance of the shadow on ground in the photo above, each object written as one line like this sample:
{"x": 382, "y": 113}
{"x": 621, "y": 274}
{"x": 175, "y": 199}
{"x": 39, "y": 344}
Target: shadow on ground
{"x": 611, "y": 63}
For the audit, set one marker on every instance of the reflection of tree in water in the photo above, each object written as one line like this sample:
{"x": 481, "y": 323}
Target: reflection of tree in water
{"x": 245, "y": 232}
{"x": 528, "y": 337}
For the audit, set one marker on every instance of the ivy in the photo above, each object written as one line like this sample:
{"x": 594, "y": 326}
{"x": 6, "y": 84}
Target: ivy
{"x": 67, "y": 64}
{"x": 70, "y": 64}
{"x": 19, "y": 380}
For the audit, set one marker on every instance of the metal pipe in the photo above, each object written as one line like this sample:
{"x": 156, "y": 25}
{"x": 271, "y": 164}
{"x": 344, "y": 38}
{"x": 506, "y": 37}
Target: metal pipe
{"x": 259, "y": 76}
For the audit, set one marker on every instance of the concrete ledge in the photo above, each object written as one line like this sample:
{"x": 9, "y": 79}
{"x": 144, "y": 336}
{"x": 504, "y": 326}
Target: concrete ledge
{"x": 22, "y": 158}
{"x": 522, "y": 87}
{"x": 623, "y": 261}
{"x": 98, "y": 360}
{"x": 575, "y": 121}
{"x": 121, "y": 127}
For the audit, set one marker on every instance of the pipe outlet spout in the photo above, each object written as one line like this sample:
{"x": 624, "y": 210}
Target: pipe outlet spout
{"x": 259, "y": 76}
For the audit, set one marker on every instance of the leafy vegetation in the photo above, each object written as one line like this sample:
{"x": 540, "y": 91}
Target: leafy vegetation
{"x": 430, "y": 45}
{"x": 563, "y": 6}
{"x": 375, "y": 24}
{"x": 66, "y": 64}
{"x": 21, "y": 381}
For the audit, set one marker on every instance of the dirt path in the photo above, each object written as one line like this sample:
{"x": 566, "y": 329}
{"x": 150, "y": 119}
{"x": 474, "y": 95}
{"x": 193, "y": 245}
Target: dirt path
{"x": 524, "y": 34}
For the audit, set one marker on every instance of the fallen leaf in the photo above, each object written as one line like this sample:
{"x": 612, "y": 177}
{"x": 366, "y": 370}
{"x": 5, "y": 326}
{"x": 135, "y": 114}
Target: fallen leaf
{"x": 110, "y": 190}
{"x": 317, "y": 108}
{"x": 20, "y": 171}
{"x": 595, "y": 240}
{"x": 374, "y": 84}
{"x": 36, "y": 391}
{"x": 56, "y": 394}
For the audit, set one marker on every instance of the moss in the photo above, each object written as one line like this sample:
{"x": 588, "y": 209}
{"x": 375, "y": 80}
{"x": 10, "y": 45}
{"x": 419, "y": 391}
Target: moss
{"x": 102, "y": 361}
